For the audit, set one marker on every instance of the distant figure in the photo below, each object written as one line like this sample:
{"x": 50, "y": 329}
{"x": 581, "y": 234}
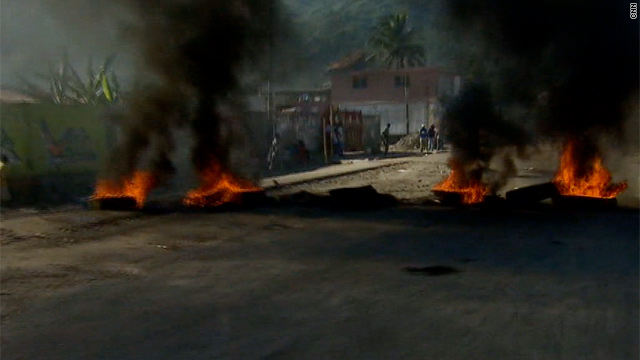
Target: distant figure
{"x": 423, "y": 138}
{"x": 274, "y": 155}
{"x": 330, "y": 140}
{"x": 438, "y": 140}
{"x": 385, "y": 139}
{"x": 431, "y": 135}
{"x": 339, "y": 139}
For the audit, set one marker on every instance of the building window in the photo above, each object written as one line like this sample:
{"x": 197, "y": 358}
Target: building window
{"x": 303, "y": 98}
{"x": 400, "y": 81}
{"x": 359, "y": 82}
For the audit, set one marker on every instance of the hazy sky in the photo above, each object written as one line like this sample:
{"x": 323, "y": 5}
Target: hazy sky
{"x": 34, "y": 31}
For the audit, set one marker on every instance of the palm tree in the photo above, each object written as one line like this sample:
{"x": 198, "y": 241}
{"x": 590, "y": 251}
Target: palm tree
{"x": 395, "y": 43}
{"x": 395, "y": 46}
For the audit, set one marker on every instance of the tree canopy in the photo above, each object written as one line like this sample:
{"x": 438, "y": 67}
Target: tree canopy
{"x": 396, "y": 44}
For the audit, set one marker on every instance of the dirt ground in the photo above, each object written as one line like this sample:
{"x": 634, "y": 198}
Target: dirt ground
{"x": 411, "y": 181}
{"x": 408, "y": 282}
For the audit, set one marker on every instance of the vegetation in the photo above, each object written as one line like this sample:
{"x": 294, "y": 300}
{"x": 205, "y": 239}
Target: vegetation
{"x": 395, "y": 44}
{"x": 330, "y": 30}
{"x": 327, "y": 31}
{"x": 62, "y": 84}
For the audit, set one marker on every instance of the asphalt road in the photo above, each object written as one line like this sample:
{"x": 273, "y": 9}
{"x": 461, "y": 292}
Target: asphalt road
{"x": 409, "y": 282}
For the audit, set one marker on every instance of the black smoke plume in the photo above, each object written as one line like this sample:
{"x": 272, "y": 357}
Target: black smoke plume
{"x": 576, "y": 62}
{"x": 477, "y": 132}
{"x": 194, "y": 54}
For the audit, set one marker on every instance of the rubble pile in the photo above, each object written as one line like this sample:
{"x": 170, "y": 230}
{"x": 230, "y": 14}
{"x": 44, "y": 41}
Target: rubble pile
{"x": 409, "y": 142}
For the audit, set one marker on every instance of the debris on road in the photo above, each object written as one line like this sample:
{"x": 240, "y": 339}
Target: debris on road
{"x": 437, "y": 270}
{"x": 352, "y": 198}
{"x": 531, "y": 194}
{"x": 124, "y": 203}
{"x": 360, "y": 198}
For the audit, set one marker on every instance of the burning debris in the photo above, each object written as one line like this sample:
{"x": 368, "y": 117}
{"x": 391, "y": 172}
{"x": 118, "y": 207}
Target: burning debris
{"x": 578, "y": 177}
{"x": 218, "y": 186}
{"x": 478, "y": 133}
{"x": 468, "y": 190}
{"x": 556, "y": 70}
{"x": 195, "y": 74}
{"x": 130, "y": 190}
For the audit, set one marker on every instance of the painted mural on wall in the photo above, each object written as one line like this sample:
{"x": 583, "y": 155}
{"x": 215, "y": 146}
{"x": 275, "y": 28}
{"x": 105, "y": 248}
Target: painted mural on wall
{"x": 73, "y": 145}
{"x": 45, "y": 139}
{"x": 8, "y": 149}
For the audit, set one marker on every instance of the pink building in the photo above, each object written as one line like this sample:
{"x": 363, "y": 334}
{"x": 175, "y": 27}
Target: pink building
{"x": 404, "y": 98}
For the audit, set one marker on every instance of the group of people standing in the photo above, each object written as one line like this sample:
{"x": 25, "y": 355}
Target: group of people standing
{"x": 428, "y": 138}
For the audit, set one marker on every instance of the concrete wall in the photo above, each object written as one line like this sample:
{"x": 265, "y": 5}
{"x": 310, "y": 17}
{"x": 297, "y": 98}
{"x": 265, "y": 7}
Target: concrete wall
{"x": 53, "y": 151}
{"x": 371, "y": 133}
{"x": 294, "y": 127}
{"x": 45, "y": 139}
{"x": 395, "y": 114}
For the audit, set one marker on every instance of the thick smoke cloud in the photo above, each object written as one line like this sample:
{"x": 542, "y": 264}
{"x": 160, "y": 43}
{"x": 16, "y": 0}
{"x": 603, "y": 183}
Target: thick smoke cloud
{"x": 195, "y": 52}
{"x": 478, "y": 132}
{"x": 580, "y": 60}
{"x": 575, "y": 62}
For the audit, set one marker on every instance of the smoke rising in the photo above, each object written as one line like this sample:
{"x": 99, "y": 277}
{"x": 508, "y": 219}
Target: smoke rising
{"x": 195, "y": 52}
{"x": 576, "y": 63}
{"x": 477, "y": 133}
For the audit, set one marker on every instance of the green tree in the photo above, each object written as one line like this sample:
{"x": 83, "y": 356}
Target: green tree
{"x": 395, "y": 43}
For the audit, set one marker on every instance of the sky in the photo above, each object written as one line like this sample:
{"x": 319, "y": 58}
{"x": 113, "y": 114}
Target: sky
{"x": 35, "y": 31}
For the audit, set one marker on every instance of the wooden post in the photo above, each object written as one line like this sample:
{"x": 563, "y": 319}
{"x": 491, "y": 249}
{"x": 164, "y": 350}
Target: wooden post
{"x": 324, "y": 138}
{"x": 331, "y": 132}
{"x": 406, "y": 102}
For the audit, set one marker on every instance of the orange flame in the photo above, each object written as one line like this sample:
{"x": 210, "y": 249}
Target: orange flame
{"x": 137, "y": 187}
{"x": 472, "y": 191}
{"x": 596, "y": 183}
{"x": 217, "y": 187}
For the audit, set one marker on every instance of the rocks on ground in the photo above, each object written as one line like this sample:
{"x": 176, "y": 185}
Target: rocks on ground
{"x": 409, "y": 142}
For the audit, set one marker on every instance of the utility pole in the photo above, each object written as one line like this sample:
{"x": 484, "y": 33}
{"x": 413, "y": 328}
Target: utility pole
{"x": 405, "y": 81}
{"x": 273, "y": 126}
{"x": 270, "y": 119}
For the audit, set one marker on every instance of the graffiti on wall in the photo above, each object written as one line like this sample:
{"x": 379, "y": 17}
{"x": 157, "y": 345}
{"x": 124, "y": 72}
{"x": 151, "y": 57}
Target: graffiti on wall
{"x": 7, "y": 148}
{"x": 73, "y": 145}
